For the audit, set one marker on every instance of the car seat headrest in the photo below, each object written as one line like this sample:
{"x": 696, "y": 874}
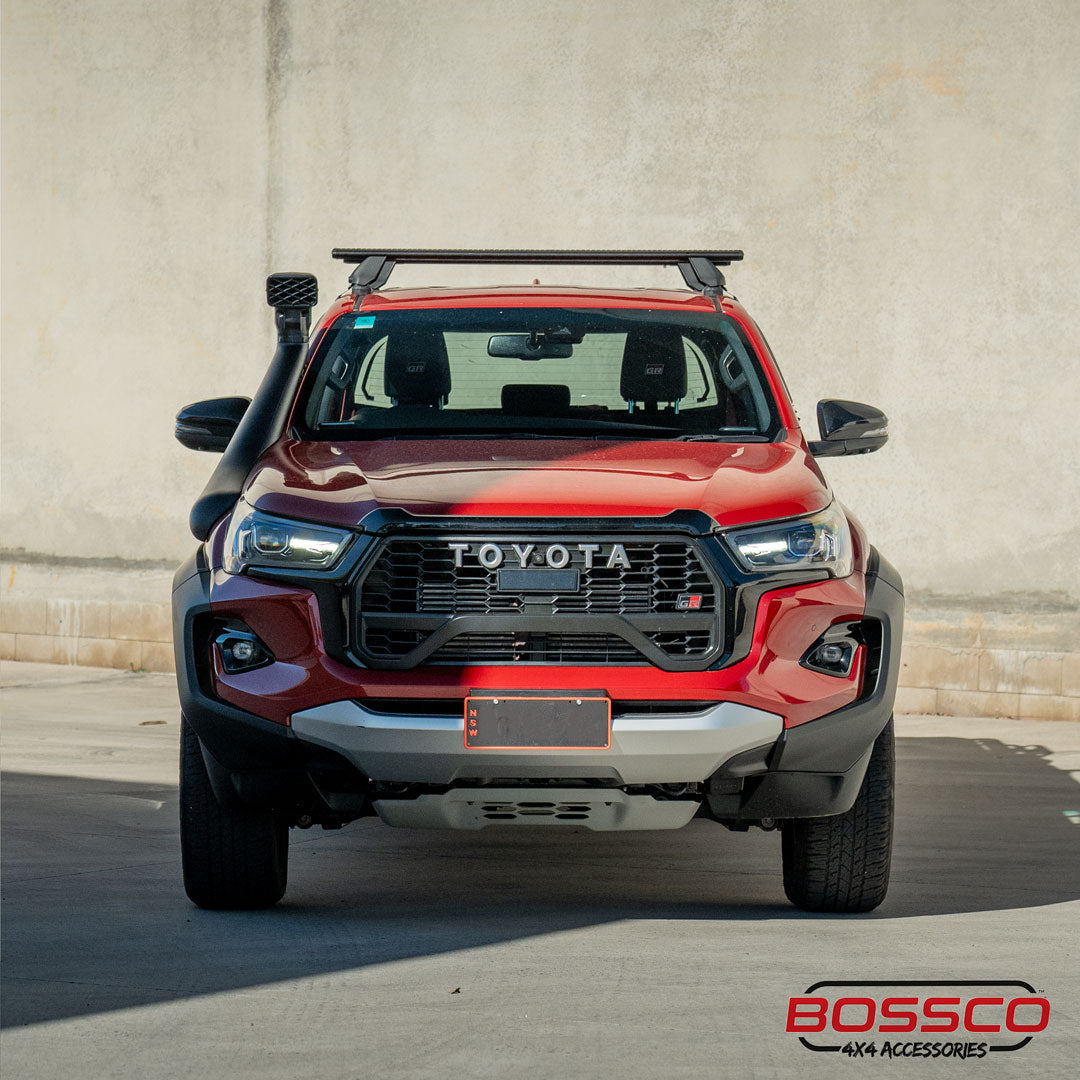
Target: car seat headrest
{"x": 654, "y": 365}
{"x": 416, "y": 370}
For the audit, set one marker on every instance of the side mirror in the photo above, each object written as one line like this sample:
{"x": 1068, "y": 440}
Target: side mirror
{"x": 848, "y": 427}
{"x": 209, "y": 425}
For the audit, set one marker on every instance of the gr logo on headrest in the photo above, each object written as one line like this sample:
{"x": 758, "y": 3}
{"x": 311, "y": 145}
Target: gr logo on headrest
{"x": 654, "y": 369}
{"x": 416, "y": 368}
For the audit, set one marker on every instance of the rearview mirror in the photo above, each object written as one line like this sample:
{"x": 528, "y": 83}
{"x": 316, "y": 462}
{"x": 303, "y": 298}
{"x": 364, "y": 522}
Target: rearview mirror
{"x": 209, "y": 425}
{"x": 849, "y": 427}
{"x": 528, "y": 347}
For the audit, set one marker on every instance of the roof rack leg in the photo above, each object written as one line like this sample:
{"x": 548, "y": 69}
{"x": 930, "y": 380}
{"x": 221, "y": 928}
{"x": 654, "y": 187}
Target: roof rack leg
{"x": 702, "y": 275}
{"x": 371, "y": 274}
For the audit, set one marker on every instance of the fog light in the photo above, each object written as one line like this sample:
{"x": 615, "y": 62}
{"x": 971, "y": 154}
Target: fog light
{"x": 833, "y": 654}
{"x": 246, "y": 651}
{"x": 241, "y": 650}
{"x": 828, "y": 655}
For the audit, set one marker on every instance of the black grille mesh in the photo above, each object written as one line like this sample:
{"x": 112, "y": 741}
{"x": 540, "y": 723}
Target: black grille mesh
{"x": 419, "y": 576}
{"x": 417, "y": 579}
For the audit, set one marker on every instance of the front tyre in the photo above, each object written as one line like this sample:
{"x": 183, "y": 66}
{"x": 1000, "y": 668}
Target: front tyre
{"x": 841, "y": 863}
{"x": 233, "y": 859}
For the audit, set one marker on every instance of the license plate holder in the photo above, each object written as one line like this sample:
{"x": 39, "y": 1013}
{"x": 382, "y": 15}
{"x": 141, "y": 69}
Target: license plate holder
{"x": 536, "y": 720}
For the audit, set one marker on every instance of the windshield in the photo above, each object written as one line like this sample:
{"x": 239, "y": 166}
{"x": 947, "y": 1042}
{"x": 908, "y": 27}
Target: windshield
{"x": 537, "y": 372}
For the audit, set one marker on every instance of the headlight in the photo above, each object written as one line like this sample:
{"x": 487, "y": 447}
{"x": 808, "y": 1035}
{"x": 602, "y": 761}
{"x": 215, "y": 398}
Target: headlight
{"x": 819, "y": 542}
{"x": 258, "y": 539}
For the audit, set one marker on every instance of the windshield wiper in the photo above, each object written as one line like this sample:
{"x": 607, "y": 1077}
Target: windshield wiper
{"x": 443, "y": 434}
{"x": 719, "y": 436}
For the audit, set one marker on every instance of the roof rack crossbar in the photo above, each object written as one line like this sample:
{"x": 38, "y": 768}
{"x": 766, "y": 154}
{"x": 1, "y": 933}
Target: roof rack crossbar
{"x": 700, "y": 269}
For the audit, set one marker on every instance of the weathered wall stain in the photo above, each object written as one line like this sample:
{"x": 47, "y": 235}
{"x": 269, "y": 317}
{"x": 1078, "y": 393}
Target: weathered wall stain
{"x": 941, "y": 77}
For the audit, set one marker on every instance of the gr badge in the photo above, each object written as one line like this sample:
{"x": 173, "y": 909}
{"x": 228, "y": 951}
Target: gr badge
{"x": 688, "y": 601}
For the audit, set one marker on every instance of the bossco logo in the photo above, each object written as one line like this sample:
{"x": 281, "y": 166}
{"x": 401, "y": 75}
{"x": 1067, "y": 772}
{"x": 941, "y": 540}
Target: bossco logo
{"x": 912, "y": 1019}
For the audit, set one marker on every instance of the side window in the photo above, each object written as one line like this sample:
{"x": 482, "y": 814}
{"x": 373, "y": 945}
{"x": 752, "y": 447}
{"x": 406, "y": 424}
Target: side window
{"x": 331, "y": 390}
{"x": 736, "y": 375}
{"x": 722, "y": 380}
{"x": 368, "y": 386}
{"x": 699, "y": 388}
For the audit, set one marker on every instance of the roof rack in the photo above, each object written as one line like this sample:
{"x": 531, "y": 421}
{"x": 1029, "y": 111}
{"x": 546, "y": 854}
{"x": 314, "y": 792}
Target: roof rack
{"x": 700, "y": 269}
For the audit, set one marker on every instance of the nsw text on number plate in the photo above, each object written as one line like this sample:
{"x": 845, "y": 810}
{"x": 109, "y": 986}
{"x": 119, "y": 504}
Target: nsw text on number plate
{"x": 538, "y": 721}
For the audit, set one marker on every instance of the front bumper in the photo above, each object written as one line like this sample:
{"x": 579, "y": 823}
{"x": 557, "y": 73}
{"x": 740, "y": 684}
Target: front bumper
{"x": 645, "y": 749}
{"x": 492, "y": 787}
{"x": 334, "y": 761}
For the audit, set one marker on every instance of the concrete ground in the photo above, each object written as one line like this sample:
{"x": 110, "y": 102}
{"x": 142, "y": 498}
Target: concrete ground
{"x": 584, "y": 955}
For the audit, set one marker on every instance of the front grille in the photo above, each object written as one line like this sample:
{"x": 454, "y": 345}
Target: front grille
{"x": 637, "y": 600}
{"x": 420, "y": 576}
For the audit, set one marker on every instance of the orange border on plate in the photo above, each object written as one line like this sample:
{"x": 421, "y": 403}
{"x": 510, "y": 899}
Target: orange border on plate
{"x": 534, "y": 697}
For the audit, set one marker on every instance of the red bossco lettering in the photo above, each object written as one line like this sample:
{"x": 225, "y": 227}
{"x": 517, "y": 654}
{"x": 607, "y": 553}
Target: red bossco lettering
{"x": 868, "y": 1003}
{"x": 889, "y": 1011}
{"x": 1044, "y": 1014}
{"x": 929, "y": 1009}
{"x": 812, "y": 1014}
{"x": 809, "y": 1009}
{"x": 969, "y": 1014}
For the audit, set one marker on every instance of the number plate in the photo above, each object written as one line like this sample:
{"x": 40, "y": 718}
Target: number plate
{"x": 538, "y": 721}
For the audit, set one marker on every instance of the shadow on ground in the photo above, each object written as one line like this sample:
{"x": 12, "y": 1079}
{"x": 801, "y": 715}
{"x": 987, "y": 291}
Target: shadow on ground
{"x": 95, "y": 918}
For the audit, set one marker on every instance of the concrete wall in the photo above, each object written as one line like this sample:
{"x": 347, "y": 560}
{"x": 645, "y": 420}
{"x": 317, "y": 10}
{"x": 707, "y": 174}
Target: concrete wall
{"x": 903, "y": 178}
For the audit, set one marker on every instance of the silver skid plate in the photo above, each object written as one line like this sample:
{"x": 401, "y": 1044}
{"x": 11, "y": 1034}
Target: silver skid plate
{"x": 601, "y": 809}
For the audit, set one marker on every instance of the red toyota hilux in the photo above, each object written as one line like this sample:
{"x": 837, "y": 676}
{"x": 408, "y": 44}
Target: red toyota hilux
{"x": 524, "y": 556}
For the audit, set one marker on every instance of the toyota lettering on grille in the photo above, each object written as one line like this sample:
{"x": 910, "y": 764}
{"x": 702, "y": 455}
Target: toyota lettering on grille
{"x": 492, "y": 555}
